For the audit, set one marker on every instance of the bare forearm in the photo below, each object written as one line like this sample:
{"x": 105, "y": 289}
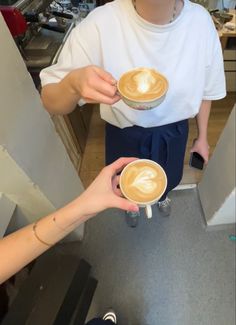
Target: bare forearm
{"x": 60, "y": 98}
{"x": 203, "y": 118}
{"x": 21, "y": 247}
{"x": 200, "y": 144}
{"x": 91, "y": 83}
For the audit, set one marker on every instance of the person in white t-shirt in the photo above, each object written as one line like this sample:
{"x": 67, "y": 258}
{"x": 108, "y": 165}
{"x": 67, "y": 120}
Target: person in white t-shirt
{"x": 177, "y": 38}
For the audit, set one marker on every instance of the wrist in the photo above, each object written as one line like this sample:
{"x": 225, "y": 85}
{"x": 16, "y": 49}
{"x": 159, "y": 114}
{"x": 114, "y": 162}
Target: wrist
{"x": 202, "y": 135}
{"x": 202, "y": 138}
{"x": 70, "y": 216}
{"x": 68, "y": 84}
{"x": 79, "y": 210}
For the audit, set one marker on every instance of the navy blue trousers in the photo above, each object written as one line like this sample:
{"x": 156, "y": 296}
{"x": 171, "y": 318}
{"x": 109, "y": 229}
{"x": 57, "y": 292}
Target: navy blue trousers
{"x": 165, "y": 145}
{"x": 99, "y": 321}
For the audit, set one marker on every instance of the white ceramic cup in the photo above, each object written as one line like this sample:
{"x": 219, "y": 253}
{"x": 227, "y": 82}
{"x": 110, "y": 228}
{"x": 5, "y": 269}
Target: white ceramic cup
{"x": 147, "y": 205}
{"x": 142, "y": 105}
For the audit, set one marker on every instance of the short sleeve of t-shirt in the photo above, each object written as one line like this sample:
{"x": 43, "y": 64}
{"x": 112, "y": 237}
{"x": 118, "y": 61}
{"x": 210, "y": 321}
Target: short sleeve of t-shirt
{"x": 214, "y": 74}
{"x": 76, "y": 53}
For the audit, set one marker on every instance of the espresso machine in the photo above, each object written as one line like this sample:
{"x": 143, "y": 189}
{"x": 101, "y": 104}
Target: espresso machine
{"x": 39, "y": 31}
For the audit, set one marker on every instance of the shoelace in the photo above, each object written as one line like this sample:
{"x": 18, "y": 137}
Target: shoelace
{"x": 164, "y": 203}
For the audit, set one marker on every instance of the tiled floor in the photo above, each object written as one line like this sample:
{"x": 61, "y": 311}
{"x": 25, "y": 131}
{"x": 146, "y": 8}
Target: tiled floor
{"x": 93, "y": 159}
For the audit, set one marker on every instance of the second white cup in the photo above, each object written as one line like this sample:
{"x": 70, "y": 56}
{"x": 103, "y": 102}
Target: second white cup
{"x": 143, "y": 182}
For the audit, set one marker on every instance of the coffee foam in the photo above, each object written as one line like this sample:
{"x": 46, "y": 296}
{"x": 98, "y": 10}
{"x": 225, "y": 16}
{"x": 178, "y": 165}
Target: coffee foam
{"x": 143, "y": 182}
{"x": 143, "y": 84}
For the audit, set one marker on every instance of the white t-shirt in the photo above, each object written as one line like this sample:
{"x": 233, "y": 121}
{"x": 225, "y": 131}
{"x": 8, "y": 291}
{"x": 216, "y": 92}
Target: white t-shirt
{"x": 187, "y": 51}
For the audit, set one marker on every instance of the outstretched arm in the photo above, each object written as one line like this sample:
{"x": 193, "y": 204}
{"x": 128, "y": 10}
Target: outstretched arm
{"x": 22, "y": 246}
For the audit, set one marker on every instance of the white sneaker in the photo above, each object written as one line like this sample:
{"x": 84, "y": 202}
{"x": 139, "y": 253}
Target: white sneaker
{"x": 165, "y": 207}
{"x": 110, "y": 315}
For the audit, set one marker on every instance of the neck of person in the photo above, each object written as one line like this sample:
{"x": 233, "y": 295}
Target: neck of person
{"x": 159, "y": 12}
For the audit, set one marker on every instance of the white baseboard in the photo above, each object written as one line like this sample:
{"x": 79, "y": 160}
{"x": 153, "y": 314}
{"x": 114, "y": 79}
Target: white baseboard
{"x": 181, "y": 187}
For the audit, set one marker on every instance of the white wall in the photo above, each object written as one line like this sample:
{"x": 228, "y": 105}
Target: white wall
{"x": 217, "y": 188}
{"x": 19, "y": 188}
{"x": 28, "y": 136}
{"x": 226, "y": 213}
{"x": 7, "y": 208}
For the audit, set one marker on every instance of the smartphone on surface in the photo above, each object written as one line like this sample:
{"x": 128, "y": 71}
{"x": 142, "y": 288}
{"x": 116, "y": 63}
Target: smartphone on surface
{"x": 196, "y": 160}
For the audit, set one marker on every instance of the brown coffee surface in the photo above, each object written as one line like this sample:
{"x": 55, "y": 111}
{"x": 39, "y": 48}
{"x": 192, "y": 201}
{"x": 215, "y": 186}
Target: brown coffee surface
{"x": 143, "y": 182}
{"x": 142, "y": 84}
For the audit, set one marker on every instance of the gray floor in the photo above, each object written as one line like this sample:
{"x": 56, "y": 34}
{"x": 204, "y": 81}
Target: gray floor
{"x": 168, "y": 271}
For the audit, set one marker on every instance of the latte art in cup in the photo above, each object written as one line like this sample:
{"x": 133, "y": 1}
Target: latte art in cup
{"x": 143, "y": 181}
{"x": 143, "y": 84}
{"x": 142, "y": 88}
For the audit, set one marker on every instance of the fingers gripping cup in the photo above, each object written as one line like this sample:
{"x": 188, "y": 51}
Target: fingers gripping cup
{"x": 143, "y": 182}
{"x": 142, "y": 88}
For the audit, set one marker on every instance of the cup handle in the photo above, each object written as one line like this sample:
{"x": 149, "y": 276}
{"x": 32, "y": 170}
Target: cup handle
{"x": 148, "y": 209}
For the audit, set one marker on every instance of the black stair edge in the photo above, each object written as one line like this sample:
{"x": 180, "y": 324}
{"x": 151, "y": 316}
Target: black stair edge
{"x": 74, "y": 294}
{"x": 25, "y": 300}
{"x": 85, "y": 302}
{"x": 30, "y": 292}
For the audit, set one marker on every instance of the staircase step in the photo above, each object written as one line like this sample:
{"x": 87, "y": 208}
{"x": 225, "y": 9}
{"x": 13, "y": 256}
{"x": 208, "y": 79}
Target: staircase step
{"x": 52, "y": 292}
